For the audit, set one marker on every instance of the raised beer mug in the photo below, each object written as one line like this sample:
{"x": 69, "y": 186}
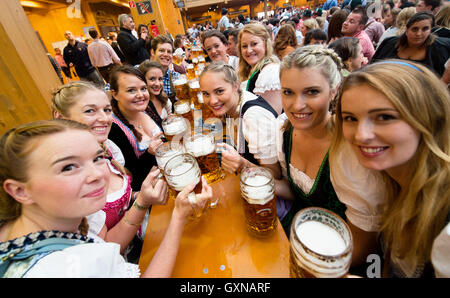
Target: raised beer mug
{"x": 181, "y": 171}
{"x": 183, "y": 108}
{"x": 182, "y": 88}
{"x": 163, "y": 153}
{"x": 321, "y": 244}
{"x": 203, "y": 148}
{"x": 173, "y": 126}
{"x": 260, "y": 208}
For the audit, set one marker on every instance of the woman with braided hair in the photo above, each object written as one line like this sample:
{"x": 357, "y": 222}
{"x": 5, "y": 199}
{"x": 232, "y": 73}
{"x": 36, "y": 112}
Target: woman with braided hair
{"x": 310, "y": 77}
{"x": 53, "y": 174}
{"x": 116, "y": 222}
{"x": 134, "y": 130}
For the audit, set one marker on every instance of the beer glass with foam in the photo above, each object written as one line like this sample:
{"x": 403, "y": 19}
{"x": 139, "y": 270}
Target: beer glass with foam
{"x": 174, "y": 125}
{"x": 203, "y": 148}
{"x": 182, "y": 88}
{"x": 183, "y": 108}
{"x": 183, "y": 170}
{"x": 190, "y": 72}
{"x": 163, "y": 153}
{"x": 321, "y": 244}
{"x": 257, "y": 190}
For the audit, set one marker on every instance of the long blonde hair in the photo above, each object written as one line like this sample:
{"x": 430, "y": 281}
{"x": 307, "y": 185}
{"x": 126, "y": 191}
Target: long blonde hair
{"x": 257, "y": 29}
{"x": 416, "y": 214}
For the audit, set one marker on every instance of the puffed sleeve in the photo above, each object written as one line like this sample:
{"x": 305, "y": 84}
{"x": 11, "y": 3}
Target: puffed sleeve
{"x": 363, "y": 191}
{"x": 268, "y": 79}
{"x": 85, "y": 261}
{"x": 440, "y": 257}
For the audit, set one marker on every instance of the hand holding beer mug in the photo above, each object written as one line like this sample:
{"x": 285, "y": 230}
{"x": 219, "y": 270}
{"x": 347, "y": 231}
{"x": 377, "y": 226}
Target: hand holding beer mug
{"x": 182, "y": 203}
{"x": 154, "y": 191}
{"x": 321, "y": 244}
{"x": 165, "y": 152}
{"x": 181, "y": 171}
{"x": 260, "y": 208}
{"x": 203, "y": 148}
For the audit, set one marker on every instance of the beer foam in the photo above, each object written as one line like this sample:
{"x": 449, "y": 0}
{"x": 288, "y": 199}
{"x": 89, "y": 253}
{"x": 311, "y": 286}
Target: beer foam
{"x": 258, "y": 189}
{"x": 185, "y": 174}
{"x": 194, "y": 84}
{"x": 180, "y": 81}
{"x": 200, "y": 146}
{"x": 162, "y": 160}
{"x": 320, "y": 238}
{"x": 175, "y": 127}
{"x": 182, "y": 108}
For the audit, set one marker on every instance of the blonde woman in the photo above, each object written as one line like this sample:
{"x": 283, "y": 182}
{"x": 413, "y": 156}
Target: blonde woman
{"x": 116, "y": 222}
{"x": 310, "y": 77}
{"x": 54, "y": 174}
{"x": 395, "y": 115}
{"x": 249, "y": 119}
{"x": 258, "y": 68}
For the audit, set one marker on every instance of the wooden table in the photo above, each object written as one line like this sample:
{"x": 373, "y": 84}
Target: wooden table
{"x": 218, "y": 244}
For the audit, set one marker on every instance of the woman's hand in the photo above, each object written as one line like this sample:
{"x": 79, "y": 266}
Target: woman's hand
{"x": 154, "y": 191}
{"x": 155, "y": 142}
{"x": 232, "y": 161}
{"x": 183, "y": 206}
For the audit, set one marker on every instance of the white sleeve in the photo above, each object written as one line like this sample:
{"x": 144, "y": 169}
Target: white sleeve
{"x": 117, "y": 154}
{"x": 96, "y": 222}
{"x": 85, "y": 261}
{"x": 363, "y": 191}
{"x": 440, "y": 257}
{"x": 268, "y": 79}
{"x": 259, "y": 129}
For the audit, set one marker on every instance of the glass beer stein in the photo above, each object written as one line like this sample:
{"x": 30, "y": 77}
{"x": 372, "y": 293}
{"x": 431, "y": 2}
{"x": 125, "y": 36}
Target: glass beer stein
{"x": 257, "y": 190}
{"x": 203, "y": 148}
{"x": 321, "y": 244}
{"x": 181, "y": 171}
{"x": 183, "y": 108}
{"x": 182, "y": 88}
{"x": 173, "y": 126}
{"x": 190, "y": 72}
{"x": 163, "y": 153}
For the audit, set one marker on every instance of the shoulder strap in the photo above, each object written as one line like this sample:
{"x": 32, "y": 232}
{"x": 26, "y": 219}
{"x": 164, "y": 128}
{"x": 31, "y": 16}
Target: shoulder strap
{"x": 261, "y": 102}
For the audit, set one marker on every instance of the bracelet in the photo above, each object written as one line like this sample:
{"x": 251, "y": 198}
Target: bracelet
{"x": 130, "y": 223}
{"x": 139, "y": 206}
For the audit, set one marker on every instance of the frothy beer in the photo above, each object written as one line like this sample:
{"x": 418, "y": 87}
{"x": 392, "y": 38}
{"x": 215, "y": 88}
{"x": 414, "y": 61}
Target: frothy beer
{"x": 163, "y": 154}
{"x": 320, "y": 244}
{"x": 183, "y": 109}
{"x": 181, "y": 171}
{"x": 190, "y": 71}
{"x": 257, "y": 189}
{"x": 203, "y": 148}
{"x": 174, "y": 125}
{"x": 181, "y": 88}
{"x": 196, "y": 94}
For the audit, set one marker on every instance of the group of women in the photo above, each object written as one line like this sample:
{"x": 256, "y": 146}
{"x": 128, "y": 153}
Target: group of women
{"x": 374, "y": 148}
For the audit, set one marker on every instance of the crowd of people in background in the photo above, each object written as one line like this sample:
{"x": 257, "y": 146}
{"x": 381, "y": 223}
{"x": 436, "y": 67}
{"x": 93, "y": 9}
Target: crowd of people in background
{"x": 347, "y": 104}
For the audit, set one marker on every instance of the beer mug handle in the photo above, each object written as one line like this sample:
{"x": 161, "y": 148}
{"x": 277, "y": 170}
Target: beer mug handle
{"x": 193, "y": 201}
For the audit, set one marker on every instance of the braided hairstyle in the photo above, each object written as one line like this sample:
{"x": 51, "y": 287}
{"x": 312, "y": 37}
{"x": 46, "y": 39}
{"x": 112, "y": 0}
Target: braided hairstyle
{"x": 317, "y": 56}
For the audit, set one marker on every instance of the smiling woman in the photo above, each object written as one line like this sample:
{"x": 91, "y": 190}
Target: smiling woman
{"x": 402, "y": 133}
{"x": 133, "y": 130}
{"x": 417, "y": 44}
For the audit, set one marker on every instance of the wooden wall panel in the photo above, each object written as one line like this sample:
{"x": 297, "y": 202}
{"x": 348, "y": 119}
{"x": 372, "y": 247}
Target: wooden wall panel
{"x": 26, "y": 75}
